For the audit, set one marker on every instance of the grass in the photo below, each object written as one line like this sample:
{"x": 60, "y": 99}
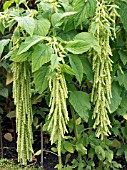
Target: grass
{"x": 6, "y": 164}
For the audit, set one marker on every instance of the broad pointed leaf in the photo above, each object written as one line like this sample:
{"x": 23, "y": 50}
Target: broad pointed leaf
{"x": 41, "y": 79}
{"x": 20, "y": 58}
{"x": 87, "y": 67}
{"x": 27, "y": 23}
{"x": 41, "y": 27}
{"x": 85, "y": 9}
{"x": 90, "y": 39}
{"x": 41, "y": 55}
{"x": 122, "y": 78}
{"x": 81, "y": 103}
{"x": 100, "y": 152}
{"x": 29, "y": 42}
{"x": 3, "y": 43}
{"x": 67, "y": 69}
{"x": 57, "y": 18}
{"x": 123, "y": 56}
{"x": 77, "y": 66}
{"x": 116, "y": 97}
{"x": 7, "y": 4}
{"x": 54, "y": 61}
{"x": 68, "y": 146}
{"x": 80, "y": 148}
{"x": 77, "y": 46}
{"x": 123, "y": 14}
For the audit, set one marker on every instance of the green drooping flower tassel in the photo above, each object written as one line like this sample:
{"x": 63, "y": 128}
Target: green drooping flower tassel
{"x": 103, "y": 28}
{"x": 58, "y": 114}
{"x": 24, "y": 118}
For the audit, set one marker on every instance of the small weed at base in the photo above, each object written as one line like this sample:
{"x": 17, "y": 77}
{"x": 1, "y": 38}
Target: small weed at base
{"x": 6, "y": 164}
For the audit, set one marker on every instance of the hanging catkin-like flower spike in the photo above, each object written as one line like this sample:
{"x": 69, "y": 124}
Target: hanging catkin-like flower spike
{"x": 24, "y": 118}
{"x": 58, "y": 114}
{"x": 104, "y": 22}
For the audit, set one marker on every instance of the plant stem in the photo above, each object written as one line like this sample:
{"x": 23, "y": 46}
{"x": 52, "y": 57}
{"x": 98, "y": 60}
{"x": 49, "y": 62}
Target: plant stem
{"x": 59, "y": 151}
{"x": 100, "y": 165}
{"x": 76, "y": 132}
{"x": 42, "y": 156}
{"x": 13, "y": 130}
{"x": 60, "y": 162}
{"x": 75, "y": 126}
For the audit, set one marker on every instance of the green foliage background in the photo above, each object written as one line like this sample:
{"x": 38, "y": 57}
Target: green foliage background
{"x": 49, "y": 34}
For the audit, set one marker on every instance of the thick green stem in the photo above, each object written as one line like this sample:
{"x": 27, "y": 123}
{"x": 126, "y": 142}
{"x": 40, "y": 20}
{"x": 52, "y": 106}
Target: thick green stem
{"x": 60, "y": 162}
{"x": 75, "y": 126}
{"x": 76, "y": 132}
{"x": 100, "y": 165}
{"x": 59, "y": 150}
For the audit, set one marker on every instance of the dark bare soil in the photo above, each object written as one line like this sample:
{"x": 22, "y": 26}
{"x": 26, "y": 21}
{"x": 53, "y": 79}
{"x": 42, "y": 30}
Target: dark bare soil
{"x": 9, "y": 148}
{"x": 50, "y": 159}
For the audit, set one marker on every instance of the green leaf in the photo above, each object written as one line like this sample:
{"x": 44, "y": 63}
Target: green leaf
{"x": 57, "y": 18}
{"x": 123, "y": 14}
{"x": 41, "y": 79}
{"x": 116, "y": 98}
{"x": 122, "y": 110}
{"x": 77, "y": 46}
{"x": 123, "y": 56}
{"x": 66, "y": 5}
{"x": 122, "y": 78}
{"x": 29, "y": 42}
{"x": 45, "y": 6}
{"x": 35, "y": 121}
{"x": 27, "y": 23}
{"x": 20, "y": 58}
{"x": 100, "y": 152}
{"x": 3, "y": 43}
{"x": 87, "y": 68}
{"x": 40, "y": 56}
{"x": 20, "y": 1}
{"x": 42, "y": 27}
{"x": 124, "y": 132}
{"x": 11, "y": 114}
{"x": 1, "y": 112}
{"x": 80, "y": 148}
{"x": 85, "y": 9}
{"x": 37, "y": 153}
{"x": 90, "y": 40}
{"x": 54, "y": 61}
{"x": 125, "y": 152}
{"x": 109, "y": 155}
{"x": 2, "y": 28}
{"x": 121, "y": 150}
{"x": 7, "y": 4}
{"x": 67, "y": 69}
{"x": 116, "y": 144}
{"x": 4, "y": 92}
{"x": 77, "y": 66}
{"x": 81, "y": 103}
{"x": 68, "y": 147}
{"x": 115, "y": 129}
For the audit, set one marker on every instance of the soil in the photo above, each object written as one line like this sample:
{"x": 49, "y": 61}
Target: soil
{"x": 9, "y": 148}
{"x": 50, "y": 160}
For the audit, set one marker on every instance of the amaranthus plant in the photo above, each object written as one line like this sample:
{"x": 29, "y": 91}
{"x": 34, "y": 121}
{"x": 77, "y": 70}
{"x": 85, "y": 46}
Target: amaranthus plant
{"x": 73, "y": 55}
